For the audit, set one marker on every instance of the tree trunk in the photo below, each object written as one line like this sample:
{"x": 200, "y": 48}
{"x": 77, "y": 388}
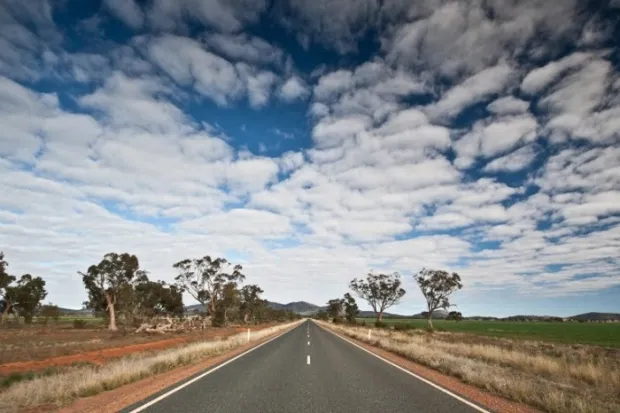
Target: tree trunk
{"x": 246, "y": 317}
{"x": 5, "y": 312}
{"x": 380, "y": 316}
{"x": 429, "y": 320}
{"x": 112, "y": 324}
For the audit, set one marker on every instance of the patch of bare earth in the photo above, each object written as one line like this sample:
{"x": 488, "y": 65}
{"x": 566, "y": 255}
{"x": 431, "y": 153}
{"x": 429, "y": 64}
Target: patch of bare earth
{"x": 471, "y": 393}
{"x": 107, "y": 347}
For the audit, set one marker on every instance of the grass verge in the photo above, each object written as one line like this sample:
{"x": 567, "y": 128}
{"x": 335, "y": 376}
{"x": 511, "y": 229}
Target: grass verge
{"x": 87, "y": 381}
{"x": 561, "y": 380}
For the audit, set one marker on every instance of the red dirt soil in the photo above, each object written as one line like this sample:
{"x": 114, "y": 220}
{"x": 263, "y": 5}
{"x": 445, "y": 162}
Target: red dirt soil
{"x": 117, "y": 399}
{"x": 102, "y": 356}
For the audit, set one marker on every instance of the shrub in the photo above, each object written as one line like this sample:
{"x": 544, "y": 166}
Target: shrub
{"x": 381, "y": 324}
{"x": 402, "y": 327}
{"x": 80, "y": 324}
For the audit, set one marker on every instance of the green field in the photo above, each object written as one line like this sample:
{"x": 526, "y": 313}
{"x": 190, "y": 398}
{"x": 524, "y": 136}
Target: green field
{"x": 601, "y": 334}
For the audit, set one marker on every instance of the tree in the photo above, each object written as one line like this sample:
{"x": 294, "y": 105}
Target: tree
{"x": 26, "y": 296}
{"x": 454, "y": 315}
{"x": 107, "y": 280}
{"x": 250, "y": 301}
{"x": 335, "y": 309}
{"x": 156, "y": 298}
{"x": 436, "y": 287}
{"x": 6, "y": 304}
{"x": 322, "y": 315}
{"x": 21, "y": 297}
{"x": 227, "y": 306}
{"x": 48, "y": 311}
{"x": 381, "y": 291}
{"x": 204, "y": 279}
{"x": 351, "y": 309}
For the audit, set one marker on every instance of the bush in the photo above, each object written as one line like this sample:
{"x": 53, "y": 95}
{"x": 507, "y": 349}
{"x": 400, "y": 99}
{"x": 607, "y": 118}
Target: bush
{"x": 381, "y": 324}
{"x": 402, "y": 327}
{"x": 80, "y": 324}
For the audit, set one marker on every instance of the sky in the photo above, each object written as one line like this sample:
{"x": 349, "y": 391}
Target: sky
{"x": 314, "y": 141}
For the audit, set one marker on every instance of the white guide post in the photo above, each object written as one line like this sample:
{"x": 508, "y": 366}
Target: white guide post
{"x": 248, "y": 335}
{"x": 369, "y": 330}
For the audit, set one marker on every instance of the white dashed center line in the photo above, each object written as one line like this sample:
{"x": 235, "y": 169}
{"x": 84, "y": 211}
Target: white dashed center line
{"x": 308, "y": 361}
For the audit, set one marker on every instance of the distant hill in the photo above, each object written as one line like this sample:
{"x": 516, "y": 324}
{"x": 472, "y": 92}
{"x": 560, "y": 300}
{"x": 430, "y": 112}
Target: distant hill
{"x": 596, "y": 317}
{"x": 299, "y": 307}
{"x": 74, "y": 312}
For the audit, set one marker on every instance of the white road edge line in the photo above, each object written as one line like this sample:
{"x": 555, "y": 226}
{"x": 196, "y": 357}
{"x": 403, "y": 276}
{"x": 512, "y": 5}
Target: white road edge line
{"x": 308, "y": 360}
{"x": 430, "y": 383}
{"x": 206, "y": 373}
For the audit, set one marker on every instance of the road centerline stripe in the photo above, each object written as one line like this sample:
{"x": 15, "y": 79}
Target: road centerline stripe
{"x": 308, "y": 360}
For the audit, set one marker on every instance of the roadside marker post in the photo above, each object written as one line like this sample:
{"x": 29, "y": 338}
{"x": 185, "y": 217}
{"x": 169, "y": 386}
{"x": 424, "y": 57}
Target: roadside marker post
{"x": 369, "y": 334}
{"x": 248, "y": 335}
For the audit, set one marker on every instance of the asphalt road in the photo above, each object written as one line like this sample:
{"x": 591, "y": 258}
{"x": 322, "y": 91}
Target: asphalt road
{"x": 288, "y": 375}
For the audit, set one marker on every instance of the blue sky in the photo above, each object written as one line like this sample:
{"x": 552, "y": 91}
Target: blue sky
{"x": 315, "y": 141}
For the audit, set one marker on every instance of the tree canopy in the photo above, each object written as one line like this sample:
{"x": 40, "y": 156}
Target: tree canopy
{"x": 22, "y": 296}
{"x": 205, "y": 280}
{"x": 351, "y": 309}
{"x": 107, "y": 280}
{"x": 381, "y": 291}
{"x": 436, "y": 287}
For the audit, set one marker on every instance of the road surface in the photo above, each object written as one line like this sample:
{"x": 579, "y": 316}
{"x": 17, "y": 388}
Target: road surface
{"x": 307, "y": 369}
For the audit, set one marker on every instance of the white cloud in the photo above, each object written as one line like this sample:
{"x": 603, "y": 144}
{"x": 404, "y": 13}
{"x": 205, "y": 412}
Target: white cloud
{"x": 538, "y": 79}
{"x": 481, "y": 86}
{"x": 225, "y": 16}
{"x": 293, "y": 89}
{"x": 133, "y": 102}
{"x": 513, "y": 162}
{"x": 243, "y": 47}
{"x": 460, "y": 38}
{"x": 332, "y": 131}
{"x": 248, "y": 222}
{"x": 490, "y": 138}
{"x": 331, "y": 85}
{"x": 126, "y": 10}
{"x": 189, "y": 64}
{"x": 259, "y": 84}
{"x": 336, "y": 24}
{"x": 508, "y": 105}
{"x": 290, "y": 161}
{"x": 127, "y": 164}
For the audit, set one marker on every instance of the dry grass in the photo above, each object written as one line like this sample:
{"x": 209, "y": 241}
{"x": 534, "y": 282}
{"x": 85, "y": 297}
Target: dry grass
{"x": 556, "y": 379}
{"x": 87, "y": 381}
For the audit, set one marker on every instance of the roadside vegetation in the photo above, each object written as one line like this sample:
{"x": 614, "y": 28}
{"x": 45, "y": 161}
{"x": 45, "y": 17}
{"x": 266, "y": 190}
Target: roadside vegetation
{"x": 554, "y": 378}
{"x": 598, "y": 334}
{"x": 84, "y": 381}
{"x": 130, "y": 326}
{"x": 505, "y": 358}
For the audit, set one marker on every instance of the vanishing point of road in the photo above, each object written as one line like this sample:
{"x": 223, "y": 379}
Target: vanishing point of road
{"x": 305, "y": 370}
